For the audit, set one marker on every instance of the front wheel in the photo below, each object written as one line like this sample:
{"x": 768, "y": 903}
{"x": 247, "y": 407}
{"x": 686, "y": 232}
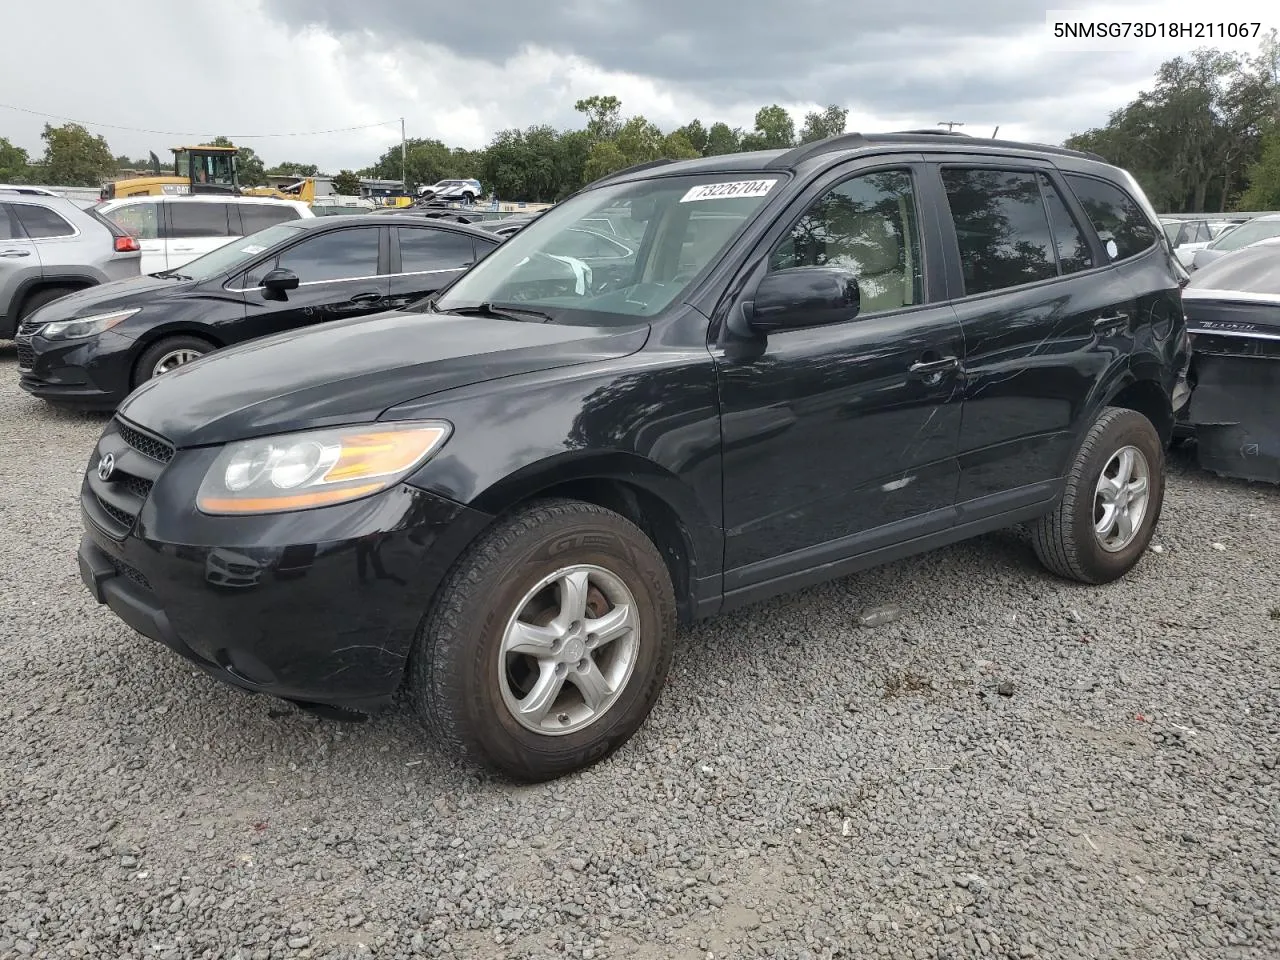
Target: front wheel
{"x": 1111, "y": 503}
{"x": 167, "y": 355}
{"x": 549, "y": 642}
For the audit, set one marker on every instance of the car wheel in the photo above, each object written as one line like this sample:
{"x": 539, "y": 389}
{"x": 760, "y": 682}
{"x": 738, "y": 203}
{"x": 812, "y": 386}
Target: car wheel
{"x": 549, "y": 642}
{"x": 34, "y": 301}
{"x": 1111, "y": 504}
{"x": 468, "y": 197}
{"x": 167, "y": 355}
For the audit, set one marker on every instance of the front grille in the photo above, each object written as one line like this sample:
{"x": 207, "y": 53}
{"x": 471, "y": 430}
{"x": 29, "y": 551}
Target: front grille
{"x": 26, "y": 356}
{"x": 145, "y": 444}
{"x": 133, "y": 573}
{"x": 113, "y": 504}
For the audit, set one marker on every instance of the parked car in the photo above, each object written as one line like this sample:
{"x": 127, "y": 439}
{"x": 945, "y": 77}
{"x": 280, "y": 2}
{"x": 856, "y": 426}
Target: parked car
{"x": 173, "y": 231}
{"x": 821, "y": 359}
{"x": 506, "y": 226}
{"x": 50, "y": 247}
{"x": 1259, "y": 228}
{"x": 1188, "y": 236}
{"x": 26, "y": 189}
{"x": 1233, "y": 316}
{"x": 90, "y": 349}
{"x": 468, "y": 191}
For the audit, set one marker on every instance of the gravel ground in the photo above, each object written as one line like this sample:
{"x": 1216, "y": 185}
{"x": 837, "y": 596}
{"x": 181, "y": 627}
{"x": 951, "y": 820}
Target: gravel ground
{"x": 1017, "y": 767}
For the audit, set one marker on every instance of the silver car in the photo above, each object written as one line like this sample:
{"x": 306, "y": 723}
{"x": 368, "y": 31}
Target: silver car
{"x": 1259, "y": 228}
{"x": 49, "y": 247}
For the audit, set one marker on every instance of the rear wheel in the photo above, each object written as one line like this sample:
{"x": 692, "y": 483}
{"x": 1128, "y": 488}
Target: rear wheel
{"x": 167, "y": 355}
{"x": 549, "y": 643}
{"x": 468, "y": 197}
{"x": 1111, "y": 504}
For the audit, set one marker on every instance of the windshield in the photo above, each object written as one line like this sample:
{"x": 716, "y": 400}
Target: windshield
{"x": 1248, "y": 233}
{"x": 565, "y": 266}
{"x": 238, "y": 253}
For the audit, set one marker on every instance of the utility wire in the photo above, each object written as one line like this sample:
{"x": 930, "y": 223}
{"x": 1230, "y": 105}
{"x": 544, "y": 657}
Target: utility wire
{"x": 189, "y": 133}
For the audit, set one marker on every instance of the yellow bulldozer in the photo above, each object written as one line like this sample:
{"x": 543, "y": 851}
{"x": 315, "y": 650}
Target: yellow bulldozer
{"x": 199, "y": 169}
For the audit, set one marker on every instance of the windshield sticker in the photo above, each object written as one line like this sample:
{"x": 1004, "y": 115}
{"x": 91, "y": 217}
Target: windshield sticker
{"x": 727, "y": 191}
{"x": 252, "y": 248}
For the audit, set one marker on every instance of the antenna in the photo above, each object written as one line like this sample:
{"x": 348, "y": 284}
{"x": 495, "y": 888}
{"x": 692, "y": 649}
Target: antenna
{"x": 995, "y": 131}
{"x": 950, "y": 124}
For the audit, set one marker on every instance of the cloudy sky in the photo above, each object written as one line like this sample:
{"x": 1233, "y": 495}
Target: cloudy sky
{"x": 459, "y": 71}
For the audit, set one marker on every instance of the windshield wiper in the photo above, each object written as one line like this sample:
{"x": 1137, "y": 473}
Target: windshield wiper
{"x": 499, "y": 312}
{"x": 171, "y": 275}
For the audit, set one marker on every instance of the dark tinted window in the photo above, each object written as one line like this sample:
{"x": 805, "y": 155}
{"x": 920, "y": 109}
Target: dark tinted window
{"x": 1001, "y": 227}
{"x": 198, "y": 220}
{"x": 1070, "y": 242}
{"x": 9, "y": 229}
{"x": 41, "y": 222}
{"x": 259, "y": 216}
{"x": 424, "y": 249}
{"x": 866, "y": 225}
{"x": 1121, "y": 224}
{"x": 338, "y": 255}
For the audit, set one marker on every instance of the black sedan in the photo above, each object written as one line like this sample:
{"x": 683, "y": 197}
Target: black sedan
{"x": 1233, "y": 316}
{"x": 92, "y": 348}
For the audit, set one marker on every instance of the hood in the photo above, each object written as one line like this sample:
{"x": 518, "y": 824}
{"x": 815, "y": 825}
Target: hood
{"x": 350, "y": 371}
{"x": 118, "y": 294}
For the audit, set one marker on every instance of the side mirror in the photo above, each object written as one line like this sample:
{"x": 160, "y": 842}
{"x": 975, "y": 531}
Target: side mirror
{"x": 280, "y": 280}
{"x": 804, "y": 297}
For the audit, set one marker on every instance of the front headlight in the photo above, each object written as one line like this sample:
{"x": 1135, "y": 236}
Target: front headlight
{"x": 317, "y": 468}
{"x": 84, "y": 326}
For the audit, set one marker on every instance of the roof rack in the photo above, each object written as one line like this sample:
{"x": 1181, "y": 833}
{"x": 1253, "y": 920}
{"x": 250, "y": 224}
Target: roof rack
{"x": 853, "y": 141}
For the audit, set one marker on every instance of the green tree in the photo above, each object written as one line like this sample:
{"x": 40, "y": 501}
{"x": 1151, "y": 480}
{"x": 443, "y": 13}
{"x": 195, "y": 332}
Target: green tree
{"x": 74, "y": 157}
{"x": 774, "y": 130}
{"x": 696, "y": 134}
{"x": 676, "y": 146}
{"x": 290, "y": 169}
{"x": 347, "y": 183}
{"x": 426, "y": 162}
{"x": 605, "y": 158}
{"x": 604, "y": 116}
{"x": 15, "y": 165}
{"x": 1263, "y": 177}
{"x": 639, "y": 141}
{"x": 820, "y": 124}
{"x": 721, "y": 139}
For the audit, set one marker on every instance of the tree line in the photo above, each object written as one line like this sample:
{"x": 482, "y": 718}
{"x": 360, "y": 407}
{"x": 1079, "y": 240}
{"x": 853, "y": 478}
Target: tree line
{"x": 539, "y": 163}
{"x": 1206, "y": 136}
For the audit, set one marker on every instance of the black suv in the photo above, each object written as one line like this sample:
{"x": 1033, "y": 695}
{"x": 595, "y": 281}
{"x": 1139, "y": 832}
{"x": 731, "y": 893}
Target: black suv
{"x": 507, "y": 497}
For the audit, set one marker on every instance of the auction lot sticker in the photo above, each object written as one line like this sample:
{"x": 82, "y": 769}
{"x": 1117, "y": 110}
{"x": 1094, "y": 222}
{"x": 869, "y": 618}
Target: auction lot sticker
{"x": 727, "y": 191}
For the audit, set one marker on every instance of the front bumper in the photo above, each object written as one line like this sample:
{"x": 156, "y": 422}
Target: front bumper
{"x": 95, "y": 372}
{"x": 318, "y": 607}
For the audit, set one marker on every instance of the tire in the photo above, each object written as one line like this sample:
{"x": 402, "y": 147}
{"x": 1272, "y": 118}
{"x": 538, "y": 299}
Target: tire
{"x": 454, "y": 675}
{"x": 468, "y": 197}
{"x": 146, "y": 368}
{"x": 1066, "y": 539}
{"x": 37, "y": 299}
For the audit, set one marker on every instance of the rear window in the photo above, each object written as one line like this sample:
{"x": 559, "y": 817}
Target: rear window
{"x": 141, "y": 220}
{"x": 259, "y": 216}
{"x": 42, "y": 223}
{"x": 1120, "y": 223}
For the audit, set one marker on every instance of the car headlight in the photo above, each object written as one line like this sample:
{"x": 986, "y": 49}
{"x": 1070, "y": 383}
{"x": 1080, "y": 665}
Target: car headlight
{"x": 316, "y": 468}
{"x": 84, "y": 326}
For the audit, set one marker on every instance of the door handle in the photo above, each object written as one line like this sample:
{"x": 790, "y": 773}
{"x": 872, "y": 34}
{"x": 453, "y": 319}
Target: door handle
{"x": 366, "y": 298}
{"x": 15, "y": 253}
{"x": 925, "y": 368}
{"x": 184, "y": 249}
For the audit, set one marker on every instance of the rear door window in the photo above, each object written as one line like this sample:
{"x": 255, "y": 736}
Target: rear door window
{"x": 1069, "y": 240}
{"x": 1120, "y": 223}
{"x": 1002, "y": 228}
{"x": 198, "y": 220}
{"x": 140, "y": 220}
{"x": 42, "y": 223}
{"x": 9, "y": 227}
{"x": 259, "y": 216}
{"x": 423, "y": 250}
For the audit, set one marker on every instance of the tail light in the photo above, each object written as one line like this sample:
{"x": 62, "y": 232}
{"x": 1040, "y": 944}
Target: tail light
{"x": 127, "y": 245}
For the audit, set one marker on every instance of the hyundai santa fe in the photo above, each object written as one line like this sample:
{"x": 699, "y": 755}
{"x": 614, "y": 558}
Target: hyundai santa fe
{"x": 506, "y": 498}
